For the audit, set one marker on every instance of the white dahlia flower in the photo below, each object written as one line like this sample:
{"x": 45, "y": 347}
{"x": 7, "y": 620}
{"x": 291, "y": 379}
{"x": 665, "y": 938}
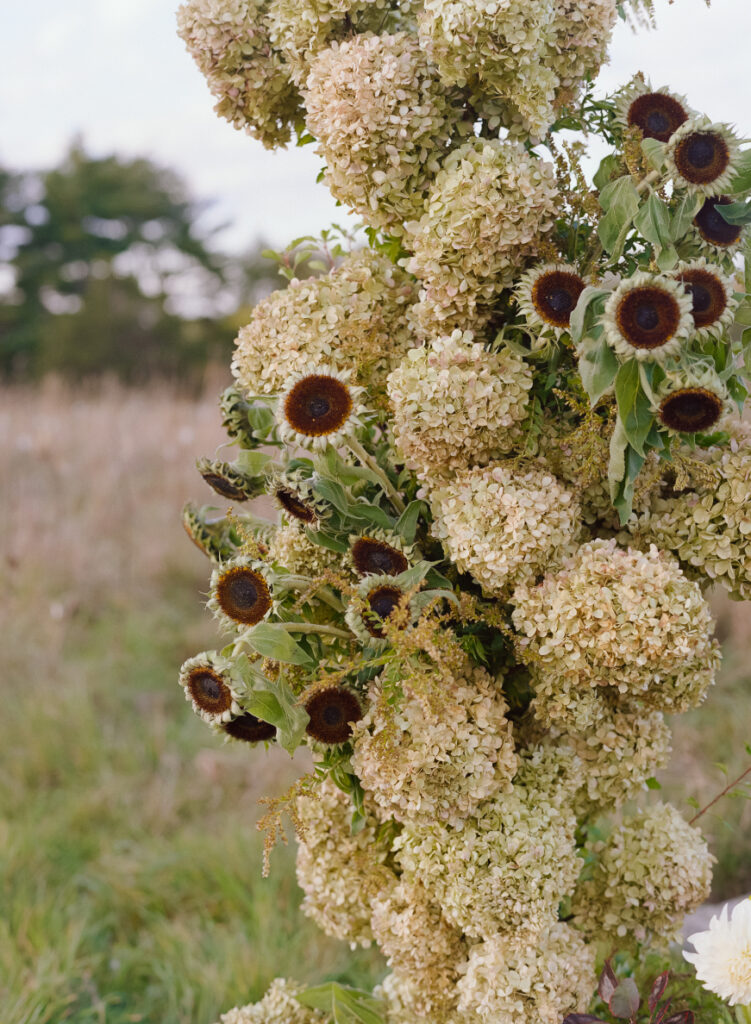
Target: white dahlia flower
{"x": 723, "y": 954}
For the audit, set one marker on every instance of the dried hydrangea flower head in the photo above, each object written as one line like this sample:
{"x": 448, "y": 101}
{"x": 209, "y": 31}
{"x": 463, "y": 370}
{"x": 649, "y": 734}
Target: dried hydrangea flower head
{"x": 507, "y": 981}
{"x": 456, "y": 404}
{"x": 339, "y": 872}
{"x": 354, "y": 318}
{"x": 444, "y": 753}
{"x": 487, "y": 212}
{"x": 654, "y": 869}
{"x": 278, "y": 1006}
{"x": 383, "y": 121}
{"x": 504, "y": 526}
{"x": 230, "y": 42}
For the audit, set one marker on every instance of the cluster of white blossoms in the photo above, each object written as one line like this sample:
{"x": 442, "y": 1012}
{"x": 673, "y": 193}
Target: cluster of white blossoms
{"x": 425, "y": 764}
{"x": 453, "y": 401}
{"x": 504, "y": 526}
{"x": 495, "y": 442}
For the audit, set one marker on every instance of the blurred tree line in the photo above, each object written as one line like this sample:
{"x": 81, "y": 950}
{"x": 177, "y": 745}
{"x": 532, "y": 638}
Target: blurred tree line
{"x": 105, "y": 269}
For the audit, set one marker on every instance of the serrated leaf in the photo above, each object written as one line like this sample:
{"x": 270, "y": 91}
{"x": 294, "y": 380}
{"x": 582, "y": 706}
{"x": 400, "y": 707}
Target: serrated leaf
{"x": 598, "y": 366}
{"x": 620, "y": 200}
{"x": 658, "y": 990}
{"x": 607, "y": 983}
{"x": 273, "y": 701}
{"x": 333, "y": 493}
{"x": 738, "y": 214}
{"x": 653, "y": 222}
{"x": 271, "y": 640}
{"x": 625, "y": 1001}
{"x": 634, "y": 410}
{"x": 654, "y": 151}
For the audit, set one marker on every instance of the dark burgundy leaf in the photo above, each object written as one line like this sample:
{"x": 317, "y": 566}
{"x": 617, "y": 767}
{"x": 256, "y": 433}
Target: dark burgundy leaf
{"x": 658, "y": 990}
{"x": 684, "y": 1017}
{"x": 625, "y": 1001}
{"x": 608, "y": 982}
{"x": 583, "y": 1018}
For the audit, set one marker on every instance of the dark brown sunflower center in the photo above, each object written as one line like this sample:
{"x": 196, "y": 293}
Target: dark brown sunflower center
{"x": 691, "y": 410}
{"x": 243, "y": 595}
{"x": 555, "y": 295}
{"x": 708, "y": 299}
{"x": 702, "y": 157}
{"x": 249, "y": 729}
{"x": 292, "y": 505}
{"x": 318, "y": 405}
{"x": 374, "y": 557}
{"x": 332, "y": 713}
{"x": 648, "y": 317}
{"x": 209, "y": 691}
{"x": 382, "y": 603}
{"x": 657, "y": 115}
{"x": 225, "y": 487}
{"x": 713, "y": 227}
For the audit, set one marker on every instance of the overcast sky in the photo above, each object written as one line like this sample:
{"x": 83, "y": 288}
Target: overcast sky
{"x": 115, "y": 72}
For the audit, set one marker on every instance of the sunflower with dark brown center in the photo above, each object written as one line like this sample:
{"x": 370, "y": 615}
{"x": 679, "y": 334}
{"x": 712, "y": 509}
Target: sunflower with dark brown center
{"x": 555, "y": 295}
{"x": 382, "y": 601}
{"x": 657, "y": 115}
{"x": 224, "y": 487}
{"x": 648, "y": 317}
{"x": 208, "y": 690}
{"x": 373, "y": 557}
{"x": 249, "y": 729}
{"x": 293, "y": 506}
{"x": 713, "y": 227}
{"x": 241, "y": 594}
{"x": 318, "y": 405}
{"x": 691, "y": 410}
{"x": 701, "y": 157}
{"x": 710, "y": 295}
{"x": 332, "y": 712}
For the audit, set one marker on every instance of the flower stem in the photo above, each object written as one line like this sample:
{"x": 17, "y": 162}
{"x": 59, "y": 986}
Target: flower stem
{"x": 368, "y": 460}
{"x": 725, "y": 791}
{"x": 313, "y": 627}
{"x": 743, "y": 1014}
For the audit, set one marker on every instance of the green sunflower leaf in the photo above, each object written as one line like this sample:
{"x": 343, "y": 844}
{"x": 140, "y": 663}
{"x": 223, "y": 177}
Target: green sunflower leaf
{"x": 271, "y": 640}
{"x": 620, "y": 201}
{"x": 654, "y": 151}
{"x": 634, "y": 409}
{"x": 598, "y": 366}
{"x": 738, "y": 214}
{"x": 653, "y": 221}
{"x": 273, "y": 701}
{"x": 683, "y": 214}
{"x": 605, "y": 171}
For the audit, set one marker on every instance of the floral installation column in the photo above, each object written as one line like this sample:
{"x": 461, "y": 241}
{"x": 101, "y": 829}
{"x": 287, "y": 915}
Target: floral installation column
{"x": 502, "y": 430}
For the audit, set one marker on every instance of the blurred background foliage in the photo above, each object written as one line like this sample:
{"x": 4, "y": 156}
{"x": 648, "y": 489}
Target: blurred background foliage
{"x": 105, "y": 268}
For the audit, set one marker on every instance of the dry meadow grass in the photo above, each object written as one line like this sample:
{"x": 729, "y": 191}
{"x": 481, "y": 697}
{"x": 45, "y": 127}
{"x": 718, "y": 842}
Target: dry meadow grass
{"x": 130, "y": 863}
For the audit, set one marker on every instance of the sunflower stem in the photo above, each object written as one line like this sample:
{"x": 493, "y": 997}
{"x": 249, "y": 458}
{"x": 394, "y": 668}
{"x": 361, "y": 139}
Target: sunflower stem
{"x": 649, "y": 180}
{"x": 306, "y": 583}
{"x": 313, "y": 627}
{"x": 367, "y": 460}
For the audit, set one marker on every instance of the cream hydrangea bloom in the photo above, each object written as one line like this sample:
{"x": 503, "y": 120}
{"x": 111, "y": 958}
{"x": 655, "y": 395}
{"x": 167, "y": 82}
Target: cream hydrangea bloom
{"x": 487, "y": 212}
{"x": 507, "y": 981}
{"x": 278, "y": 1006}
{"x": 579, "y": 42}
{"x": 654, "y": 869}
{"x": 708, "y": 525}
{"x": 504, "y": 525}
{"x": 419, "y": 944}
{"x": 723, "y": 954}
{"x": 339, "y": 872}
{"x": 456, "y": 404}
{"x": 229, "y": 41}
{"x": 354, "y": 317}
{"x": 623, "y": 619}
{"x": 383, "y": 121}
{"x": 506, "y": 869}
{"x": 422, "y": 763}
{"x": 494, "y": 49}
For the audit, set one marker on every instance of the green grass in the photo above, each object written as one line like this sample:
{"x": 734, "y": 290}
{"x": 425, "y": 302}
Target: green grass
{"x": 129, "y": 858}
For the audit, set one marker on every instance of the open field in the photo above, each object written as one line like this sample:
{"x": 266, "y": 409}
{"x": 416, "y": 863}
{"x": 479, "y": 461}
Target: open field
{"x": 130, "y": 864}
